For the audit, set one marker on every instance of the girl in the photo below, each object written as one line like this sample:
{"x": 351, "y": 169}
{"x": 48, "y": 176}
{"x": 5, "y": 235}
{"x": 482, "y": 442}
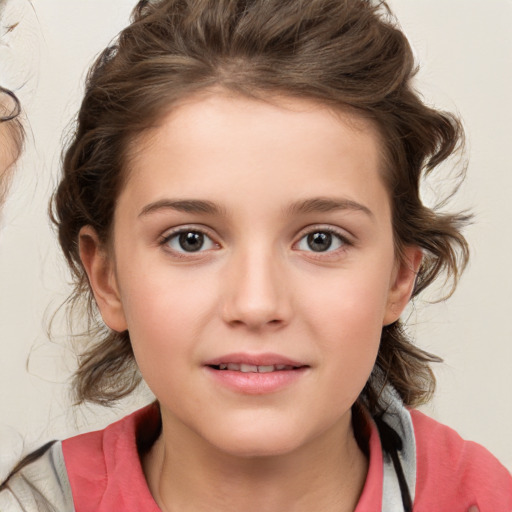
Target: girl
{"x": 11, "y": 137}
{"x": 240, "y": 203}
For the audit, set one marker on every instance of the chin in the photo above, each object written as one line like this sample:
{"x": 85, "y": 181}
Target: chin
{"x": 261, "y": 449}
{"x": 257, "y": 440}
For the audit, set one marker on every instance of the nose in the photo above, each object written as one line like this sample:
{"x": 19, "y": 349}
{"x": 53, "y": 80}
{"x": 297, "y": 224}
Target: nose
{"x": 256, "y": 292}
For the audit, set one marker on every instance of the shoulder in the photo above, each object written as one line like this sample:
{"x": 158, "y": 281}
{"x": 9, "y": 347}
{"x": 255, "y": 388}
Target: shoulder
{"x": 39, "y": 485}
{"x": 452, "y": 472}
{"x": 104, "y": 467}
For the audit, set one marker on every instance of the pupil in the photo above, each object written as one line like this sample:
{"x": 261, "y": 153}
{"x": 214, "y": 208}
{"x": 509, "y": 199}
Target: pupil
{"x": 319, "y": 242}
{"x": 191, "y": 241}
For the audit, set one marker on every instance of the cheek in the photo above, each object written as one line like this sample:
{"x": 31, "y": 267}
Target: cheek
{"x": 345, "y": 316}
{"x": 348, "y": 302}
{"x": 165, "y": 311}
{"x": 162, "y": 296}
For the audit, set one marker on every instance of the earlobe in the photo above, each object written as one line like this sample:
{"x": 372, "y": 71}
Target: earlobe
{"x": 402, "y": 284}
{"x": 100, "y": 271}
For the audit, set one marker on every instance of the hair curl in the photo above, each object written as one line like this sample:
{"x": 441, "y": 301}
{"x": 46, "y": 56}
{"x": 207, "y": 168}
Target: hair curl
{"x": 348, "y": 54}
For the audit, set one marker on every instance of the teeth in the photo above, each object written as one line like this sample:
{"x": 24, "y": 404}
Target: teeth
{"x": 266, "y": 369}
{"x": 246, "y": 368}
{"x": 251, "y": 368}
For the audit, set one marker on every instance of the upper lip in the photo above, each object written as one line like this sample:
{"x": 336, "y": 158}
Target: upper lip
{"x": 267, "y": 359}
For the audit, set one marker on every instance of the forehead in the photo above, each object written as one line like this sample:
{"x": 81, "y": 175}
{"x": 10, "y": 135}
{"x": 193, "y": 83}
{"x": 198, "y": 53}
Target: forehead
{"x": 216, "y": 143}
{"x": 211, "y": 105}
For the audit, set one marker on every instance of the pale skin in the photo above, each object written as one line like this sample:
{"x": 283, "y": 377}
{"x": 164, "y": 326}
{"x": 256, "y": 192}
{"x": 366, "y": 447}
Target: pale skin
{"x": 10, "y": 146}
{"x": 292, "y": 256}
{"x": 8, "y": 154}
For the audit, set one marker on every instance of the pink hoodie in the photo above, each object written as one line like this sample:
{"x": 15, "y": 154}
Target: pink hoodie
{"x": 450, "y": 474}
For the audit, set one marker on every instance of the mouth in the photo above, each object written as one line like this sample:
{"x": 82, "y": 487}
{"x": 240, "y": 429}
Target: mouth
{"x": 252, "y": 368}
{"x": 255, "y": 374}
{"x": 254, "y": 363}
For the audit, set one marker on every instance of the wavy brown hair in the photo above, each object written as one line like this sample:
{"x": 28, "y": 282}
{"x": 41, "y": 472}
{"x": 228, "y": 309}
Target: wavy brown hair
{"x": 347, "y": 54}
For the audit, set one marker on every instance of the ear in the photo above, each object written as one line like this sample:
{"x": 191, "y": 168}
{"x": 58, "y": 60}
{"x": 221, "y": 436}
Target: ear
{"x": 402, "y": 284}
{"x": 101, "y": 273}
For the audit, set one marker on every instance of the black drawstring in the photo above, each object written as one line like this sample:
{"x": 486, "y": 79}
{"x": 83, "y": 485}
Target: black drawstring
{"x": 392, "y": 444}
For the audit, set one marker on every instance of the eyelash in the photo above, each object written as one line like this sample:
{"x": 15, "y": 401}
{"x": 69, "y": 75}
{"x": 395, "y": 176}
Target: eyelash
{"x": 344, "y": 241}
{"x": 168, "y": 237}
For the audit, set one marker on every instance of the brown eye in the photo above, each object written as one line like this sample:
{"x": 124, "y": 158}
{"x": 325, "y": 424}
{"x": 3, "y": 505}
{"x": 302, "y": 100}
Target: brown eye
{"x": 189, "y": 241}
{"x": 192, "y": 241}
{"x": 321, "y": 241}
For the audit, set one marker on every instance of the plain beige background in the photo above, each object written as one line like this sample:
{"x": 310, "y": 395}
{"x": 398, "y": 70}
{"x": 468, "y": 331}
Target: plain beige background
{"x": 465, "y": 50}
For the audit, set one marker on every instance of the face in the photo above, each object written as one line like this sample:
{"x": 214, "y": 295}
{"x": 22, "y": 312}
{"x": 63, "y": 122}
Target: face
{"x": 9, "y": 142}
{"x": 253, "y": 265}
{"x": 8, "y": 153}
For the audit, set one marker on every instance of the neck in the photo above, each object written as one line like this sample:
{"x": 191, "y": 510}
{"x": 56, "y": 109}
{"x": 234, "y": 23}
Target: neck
{"x": 187, "y": 474}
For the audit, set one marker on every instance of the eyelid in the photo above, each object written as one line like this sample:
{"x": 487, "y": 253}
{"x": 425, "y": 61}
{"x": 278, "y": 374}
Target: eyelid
{"x": 342, "y": 234}
{"x": 171, "y": 233}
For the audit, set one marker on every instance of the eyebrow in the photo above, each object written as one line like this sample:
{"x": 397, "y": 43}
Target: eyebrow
{"x": 328, "y": 204}
{"x": 183, "y": 205}
{"x": 316, "y": 204}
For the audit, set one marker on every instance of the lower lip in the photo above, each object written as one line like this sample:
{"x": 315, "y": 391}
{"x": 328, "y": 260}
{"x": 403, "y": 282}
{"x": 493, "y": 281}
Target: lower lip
{"x": 252, "y": 383}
